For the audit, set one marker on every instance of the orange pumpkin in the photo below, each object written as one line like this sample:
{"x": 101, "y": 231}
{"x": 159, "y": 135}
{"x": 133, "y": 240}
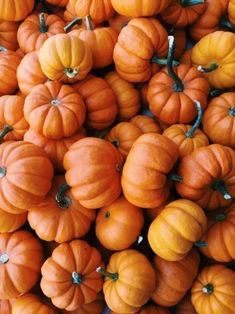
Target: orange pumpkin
{"x": 95, "y": 307}
{"x": 152, "y": 213}
{"x": 15, "y": 10}
{"x": 146, "y": 124}
{"x": 8, "y": 35}
{"x": 149, "y": 309}
{"x": 185, "y": 306}
{"x": 5, "y": 307}
{"x": 180, "y": 41}
{"x": 231, "y": 10}
{"x": 31, "y": 303}
{"x": 11, "y": 222}
{"x": 117, "y": 22}
{"x": 21, "y": 259}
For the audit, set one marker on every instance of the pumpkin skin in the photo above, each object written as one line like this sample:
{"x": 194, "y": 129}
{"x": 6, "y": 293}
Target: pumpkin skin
{"x": 65, "y": 58}
{"x": 12, "y": 115}
{"x": 182, "y": 222}
{"x": 146, "y": 124}
{"x": 220, "y": 112}
{"x": 117, "y": 22}
{"x": 180, "y": 42}
{"x": 60, "y": 221}
{"x": 143, "y": 180}
{"x": 31, "y": 303}
{"x": 128, "y": 97}
{"x": 152, "y": 213}
{"x": 137, "y": 43}
{"x": 20, "y": 255}
{"x": 119, "y": 224}
{"x": 139, "y": 8}
{"x": 125, "y": 294}
{"x": 185, "y": 306}
{"x": 35, "y": 30}
{"x": 231, "y": 10}
{"x": 14, "y": 10}
{"x": 63, "y": 270}
{"x": 150, "y": 309}
{"x": 100, "y": 163}
{"x": 54, "y": 110}
{"x": 95, "y": 307}
{"x": 209, "y": 49}
{"x": 212, "y": 164}
{"x": 55, "y": 149}
{"x": 29, "y": 73}
{"x": 186, "y": 57}
{"x": 11, "y": 222}
{"x": 169, "y": 289}
{"x": 23, "y": 183}
{"x": 100, "y": 101}
{"x": 221, "y": 300}
{"x": 8, "y": 35}
{"x": 5, "y": 307}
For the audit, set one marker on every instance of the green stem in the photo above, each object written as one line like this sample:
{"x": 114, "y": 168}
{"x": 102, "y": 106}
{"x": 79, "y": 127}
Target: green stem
{"x": 220, "y": 217}
{"x": 232, "y": 111}
{"x": 3, "y": 172}
{"x": 6, "y": 129}
{"x": 208, "y": 289}
{"x": 200, "y": 244}
{"x": 219, "y": 185}
{"x": 88, "y": 23}
{"x": 76, "y": 21}
{"x": 178, "y": 86}
{"x": 224, "y": 23}
{"x": 212, "y": 67}
{"x": 189, "y": 3}
{"x": 112, "y": 276}
{"x": 175, "y": 177}
{"x": 195, "y": 126}
{"x": 63, "y": 201}
{"x": 76, "y": 278}
{"x": 163, "y": 61}
{"x": 42, "y": 24}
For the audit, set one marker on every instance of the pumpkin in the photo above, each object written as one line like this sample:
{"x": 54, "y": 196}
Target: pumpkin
{"x": 29, "y": 73}
{"x": 220, "y": 113}
{"x": 11, "y": 222}
{"x": 118, "y": 21}
{"x": 135, "y": 8}
{"x": 129, "y": 281}
{"x": 180, "y": 41}
{"x": 174, "y": 279}
{"x": 69, "y": 276}
{"x": 60, "y": 3}
{"x": 185, "y": 306}
{"x": 172, "y": 234}
{"x": 54, "y": 110}
{"x": 12, "y": 121}
{"x": 181, "y": 13}
{"x": 187, "y": 137}
{"x": 62, "y": 217}
{"x": 214, "y": 290}
{"x": 128, "y": 97}
{"x": 66, "y": 58}
{"x": 118, "y": 225}
{"x": 152, "y": 213}
{"x": 9, "y": 61}
{"x": 95, "y": 307}
{"x": 8, "y": 35}
{"x": 99, "y": 10}
{"x": 140, "y": 45}
{"x": 95, "y": 180}
{"x": 211, "y": 184}
{"x": 15, "y": 10}
{"x": 5, "y": 307}
{"x": 25, "y": 176}
{"x": 231, "y": 10}
{"x": 100, "y": 101}
{"x": 150, "y": 309}
{"x": 35, "y": 30}
{"x": 31, "y": 303}
{"x": 186, "y": 57}
{"x": 145, "y": 124}
{"x": 214, "y": 56}
{"x": 171, "y": 92}
{"x": 150, "y": 159}
{"x": 21, "y": 259}
{"x": 55, "y": 149}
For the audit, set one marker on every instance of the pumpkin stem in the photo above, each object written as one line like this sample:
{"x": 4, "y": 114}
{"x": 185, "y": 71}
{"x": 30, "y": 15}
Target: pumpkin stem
{"x": 220, "y": 186}
{"x": 200, "y": 244}
{"x": 212, "y": 67}
{"x": 178, "y": 86}
{"x": 3, "y": 172}
{"x": 76, "y": 21}
{"x": 195, "y": 126}
{"x": 6, "y": 129}
{"x": 105, "y": 273}
{"x": 4, "y": 258}
{"x": 231, "y": 111}
{"x": 63, "y": 201}
{"x": 76, "y": 278}
{"x": 175, "y": 177}
{"x": 224, "y": 23}
{"x": 88, "y": 23}
{"x": 2, "y": 48}
{"x": 220, "y": 217}
{"x": 116, "y": 142}
{"x": 42, "y": 24}
{"x": 208, "y": 289}
{"x": 189, "y": 3}
{"x": 71, "y": 73}
{"x": 163, "y": 61}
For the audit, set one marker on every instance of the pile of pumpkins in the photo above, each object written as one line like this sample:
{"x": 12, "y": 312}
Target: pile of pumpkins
{"x": 117, "y": 160}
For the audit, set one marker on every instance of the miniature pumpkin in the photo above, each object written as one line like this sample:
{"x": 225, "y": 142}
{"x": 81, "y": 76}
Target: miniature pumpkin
{"x": 145, "y": 124}
{"x": 231, "y": 10}
{"x": 118, "y": 21}
{"x": 11, "y": 222}
{"x": 15, "y": 10}
{"x": 94, "y": 307}
{"x": 8, "y": 35}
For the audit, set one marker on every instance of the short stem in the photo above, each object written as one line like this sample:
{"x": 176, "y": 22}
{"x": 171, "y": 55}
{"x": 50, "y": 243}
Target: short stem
{"x": 188, "y": 3}
{"x": 71, "y": 73}
{"x": 178, "y": 86}
{"x": 212, "y": 67}
{"x": 3, "y": 172}
{"x": 220, "y": 186}
{"x": 42, "y": 24}
{"x": 232, "y": 111}
{"x": 63, "y": 201}
{"x": 2, "y": 48}
{"x": 88, "y": 23}
{"x": 224, "y": 23}
{"x": 195, "y": 126}
{"x": 6, "y": 129}
{"x": 200, "y": 244}
{"x": 163, "y": 61}
{"x": 220, "y": 217}
{"x": 76, "y": 21}
{"x": 4, "y": 258}
{"x": 76, "y": 278}
{"x": 116, "y": 142}
{"x": 113, "y": 276}
{"x": 175, "y": 177}
{"x": 208, "y": 289}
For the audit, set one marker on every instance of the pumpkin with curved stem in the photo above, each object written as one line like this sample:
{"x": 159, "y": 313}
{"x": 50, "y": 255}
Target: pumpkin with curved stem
{"x": 69, "y": 276}
{"x": 185, "y": 306}
{"x": 214, "y": 290}
{"x": 25, "y": 175}
{"x": 144, "y": 175}
{"x": 10, "y": 223}
{"x": 172, "y": 234}
{"x": 217, "y": 67}
{"x": 8, "y": 35}
{"x": 211, "y": 184}
{"x": 128, "y": 97}
{"x": 129, "y": 282}
{"x": 231, "y": 10}
{"x": 169, "y": 289}
{"x": 15, "y": 10}
{"x": 21, "y": 258}
{"x": 54, "y": 110}
{"x": 171, "y": 92}
{"x": 220, "y": 113}
{"x": 100, "y": 101}
{"x": 95, "y": 180}
{"x": 187, "y": 137}
{"x": 65, "y": 58}
{"x": 136, "y": 62}
{"x": 12, "y": 121}
{"x": 117, "y": 22}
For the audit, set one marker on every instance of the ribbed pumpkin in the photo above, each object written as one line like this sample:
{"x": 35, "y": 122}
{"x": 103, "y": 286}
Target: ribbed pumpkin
{"x": 21, "y": 259}
{"x": 117, "y": 22}
{"x": 95, "y": 307}
{"x": 11, "y": 222}
{"x": 231, "y": 10}
{"x": 149, "y": 309}
{"x": 185, "y": 306}
{"x": 8, "y": 35}
{"x": 146, "y": 124}
{"x": 172, "y": 234}
{"x": 15, "y": 10}
{"x": 31, "y": 303}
